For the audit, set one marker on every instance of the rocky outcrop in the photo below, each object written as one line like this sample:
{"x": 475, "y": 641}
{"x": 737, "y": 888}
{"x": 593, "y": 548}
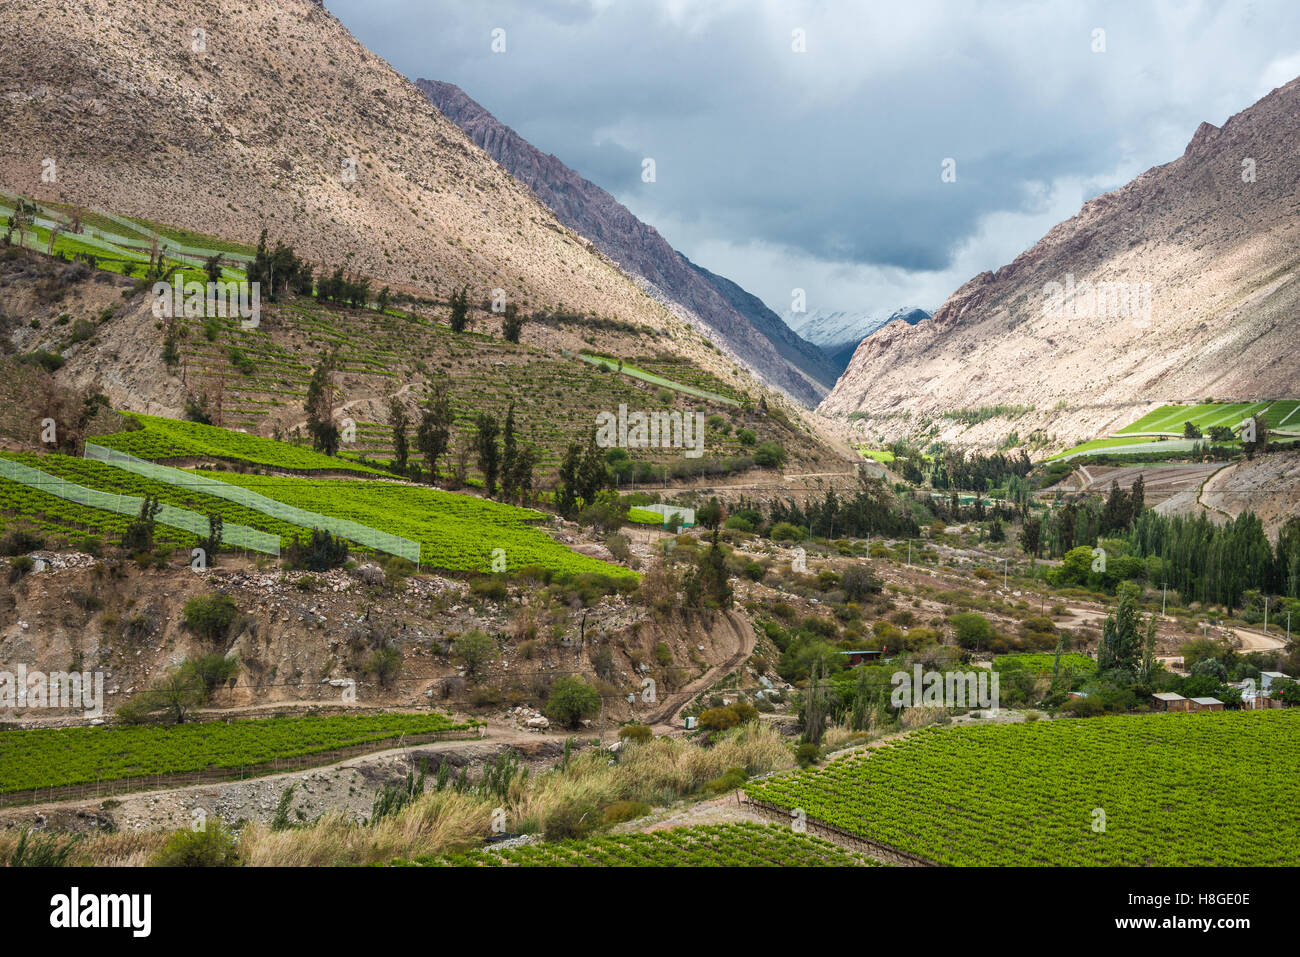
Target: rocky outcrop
{"x": 746, "y": 326}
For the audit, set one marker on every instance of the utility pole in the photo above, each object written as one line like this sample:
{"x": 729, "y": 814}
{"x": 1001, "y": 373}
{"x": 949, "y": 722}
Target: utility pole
{"x": 1266, "y": 615}
{"x": 1004, "y": 574}
{"x": 909, "y": 551}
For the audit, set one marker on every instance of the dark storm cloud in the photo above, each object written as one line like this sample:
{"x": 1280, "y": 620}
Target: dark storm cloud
{"x": 823, "y": 168}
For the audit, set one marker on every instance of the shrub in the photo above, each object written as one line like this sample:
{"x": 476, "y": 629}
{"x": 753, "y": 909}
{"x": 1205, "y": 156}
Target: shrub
{"x": 489, "y": 589}
{"x": 621, "y": 811}
{"x": 785, "y": 532}
{"x": 729, "y": 781}
{"x": 474, "y": 650}
{"x": 639, "y": 733}
{"x": 384, "y": 666}
{"x": 20, "y": 541}
{"x": 572, "y": 820}
{"x": 572, "y": 699}
{"x": 663, "y": 654}
{"x": 210, "y": 616}
{"x": 746, "y": 437}
{"x": 321, "y": 553}
{"x": 769, "y": 455}
{"x": 807, "y": 754}
{"x": 719, "y": 719}
{"x": 971, "y": 630}
{"x": 213, "y": 846}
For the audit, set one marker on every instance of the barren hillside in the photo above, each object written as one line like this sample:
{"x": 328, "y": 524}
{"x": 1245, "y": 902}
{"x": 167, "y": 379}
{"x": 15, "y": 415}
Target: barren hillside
{"x": 1204, "y": 251}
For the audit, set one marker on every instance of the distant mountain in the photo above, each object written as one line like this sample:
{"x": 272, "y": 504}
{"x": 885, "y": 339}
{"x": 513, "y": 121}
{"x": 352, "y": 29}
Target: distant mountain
{"x": 838, "y": 333}
{"x": 741, "y": 322}
{"x": 1180, "y": 285}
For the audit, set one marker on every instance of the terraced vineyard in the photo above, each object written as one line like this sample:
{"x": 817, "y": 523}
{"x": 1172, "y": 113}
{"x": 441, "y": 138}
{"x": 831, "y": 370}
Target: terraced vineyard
{"x": 743, "y": 844}
{"x": 458, "y": 532}
{"x": 1169, "y": 419}
{"x": 59, "y": 756}
{"x": 1042, "y": 664}
{"x": 1218, "y": 788}
{"x": 66, "y": 523}
{"x": 161, "y": 439}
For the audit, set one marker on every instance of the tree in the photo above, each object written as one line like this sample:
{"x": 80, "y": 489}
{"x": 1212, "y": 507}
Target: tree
{"x": 138, "y": 536}
{"x": 212, "y": 544}
{"x": 815, "y": 702}
{"x": 210, "y": 616}
{"x": 1256, "y": 430}
{"x": 512, "y": 324}
{"x": 1124, "y": 641}
{"x": 320, "y": 553}
{"x": 170, "y": 699}
{"x": 1190, "y": 431}
{"x": 572, "y": 699}
{"x": 858, "y": 583}
{"x": 509, "y": 455}
{"x": 459, "y": 303}
{"x": 769, "y": 455}
{"x": 212, "y": 266}
{"x": 319, "y": 406}
{"x": 972, "y": 631}
{"x": 383, "y": 299}
{"x": 566, "y": 493}
{"x": 709, "y": 584}
{"x": 435, "y": 430}
{"x": 397, "y": 418}
{"x": 1031, "y": 536}
{"x": 606, "y": 513}
{"x": 475, "y": 651}
{"x": 485, "y": 448}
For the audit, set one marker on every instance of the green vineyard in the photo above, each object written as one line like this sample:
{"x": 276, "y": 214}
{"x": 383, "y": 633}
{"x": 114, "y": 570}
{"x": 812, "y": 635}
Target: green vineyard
{"x": 718, "y": 845}
{"x": 1163, "y": 790}
{"x": 59, "y": 756}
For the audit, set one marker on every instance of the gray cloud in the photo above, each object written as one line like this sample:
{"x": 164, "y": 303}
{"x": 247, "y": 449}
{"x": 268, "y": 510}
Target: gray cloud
{"x": 822, "y": 169}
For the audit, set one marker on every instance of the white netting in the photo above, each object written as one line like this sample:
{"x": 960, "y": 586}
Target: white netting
{"x": 353, "y": 531}
{"x": 238, "y": 535}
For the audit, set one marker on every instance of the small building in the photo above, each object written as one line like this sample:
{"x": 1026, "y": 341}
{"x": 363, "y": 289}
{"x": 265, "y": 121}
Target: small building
{"x": 1206, "y": 704}
{"x": 1168, "y": 701}
{"x": 1266, "y": 679}
{"x": 862, "y": 657}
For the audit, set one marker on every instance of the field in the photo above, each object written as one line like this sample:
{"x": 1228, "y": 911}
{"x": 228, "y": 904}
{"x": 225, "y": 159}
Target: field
{"x": 1169, "y": 419}
{"x": 59, "y": 520}
{"x": 1042, "y": 664}
{"x": 59, "y": 756}
{"x": 1180, "y": 789}
{"x": 718, "y": 845}
{"x": 458, "y": 532}
{"x": 628, "y": 369}
{"x": 161, "y": 439}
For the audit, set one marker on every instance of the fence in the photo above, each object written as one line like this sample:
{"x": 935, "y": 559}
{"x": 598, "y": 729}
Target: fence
{"x": 96, "y": 790}
{"x": 836, "y": 835}
{"x": 361, "y": 534}
{"x": 239, "y": 535}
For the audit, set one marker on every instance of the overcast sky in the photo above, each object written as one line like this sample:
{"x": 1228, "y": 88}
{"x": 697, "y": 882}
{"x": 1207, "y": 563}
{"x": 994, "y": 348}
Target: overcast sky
{"x": 822, "y": 170}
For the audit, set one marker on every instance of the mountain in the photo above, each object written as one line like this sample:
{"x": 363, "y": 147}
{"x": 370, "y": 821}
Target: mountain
{"x": 752, "y": 331}
{"x": 838, "y": 333}
{"x": 284, "y": 121}
{"x": 1180, "y": 285}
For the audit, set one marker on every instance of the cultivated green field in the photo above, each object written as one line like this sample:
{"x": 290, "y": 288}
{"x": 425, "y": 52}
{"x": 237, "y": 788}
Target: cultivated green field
{"x": 1169, "y": 419}
{"x": 1217, "y": 788}
{"x": 161, "y": 439}
{"x": 716, "y": 845}
{"x": 52, "y": 757}
{"x": 457, "y": 532}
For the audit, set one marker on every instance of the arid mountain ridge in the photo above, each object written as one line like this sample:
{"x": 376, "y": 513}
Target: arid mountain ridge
{"x": 755, "y": 333}
{"x": 227, "y": 120}
{"x": 1207, "y": 249}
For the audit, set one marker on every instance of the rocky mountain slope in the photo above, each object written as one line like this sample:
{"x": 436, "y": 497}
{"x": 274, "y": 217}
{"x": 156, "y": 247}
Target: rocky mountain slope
{"x": 838, "y": 333}
{"x": 229, "y": 119}
{"x": 755, "y": 333}
{"x": 1202, "y": 259}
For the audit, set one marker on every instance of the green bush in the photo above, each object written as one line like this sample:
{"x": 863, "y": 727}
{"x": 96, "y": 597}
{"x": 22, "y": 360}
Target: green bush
{"x": 785, "y": 532}
{"x": 639, "y": 733}
{"x": 621, "y": 811}
{"x": 720, "y": 719}
{"x": 572, "y": 699}
{"x": 213, "y": 846}
{"x": 210, "y": 616}
{"x": 732, "y": 779}
{"x": 807, "y": 754}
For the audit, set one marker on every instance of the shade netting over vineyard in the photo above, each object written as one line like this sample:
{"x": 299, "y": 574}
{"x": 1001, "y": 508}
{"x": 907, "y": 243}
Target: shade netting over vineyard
{"x": 353, "y": 531}
{"x": 236, "y": 535}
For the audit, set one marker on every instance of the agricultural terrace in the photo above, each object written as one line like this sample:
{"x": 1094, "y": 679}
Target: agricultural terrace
{"x": 1217, "y": 788}
{"x": 743, "y": 844}
{"x": 1170, "y": 419}
{"x": 677, "y": 368}
{"x": 161, "y": 439}
{"x": 52, "y": 757}
{"x": 457, "y": 532}
{"x": 69, "y": 524}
